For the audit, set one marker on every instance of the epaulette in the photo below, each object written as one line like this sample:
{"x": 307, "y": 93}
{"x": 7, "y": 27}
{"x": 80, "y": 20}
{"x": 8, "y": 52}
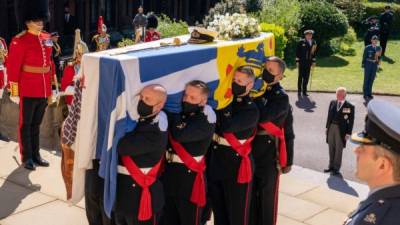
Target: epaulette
{"x": 20, "y": 34}
{"x": 2, "y": 39}
{"x": 95, "y": 36}
{"x": 71, "y": 63}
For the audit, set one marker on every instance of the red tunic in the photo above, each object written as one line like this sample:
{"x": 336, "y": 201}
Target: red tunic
{"x": 27, "y": 49}
{"x": 152, "y": 36}
{"x": 3, "y": 46}
{"x": 68, "y": 80}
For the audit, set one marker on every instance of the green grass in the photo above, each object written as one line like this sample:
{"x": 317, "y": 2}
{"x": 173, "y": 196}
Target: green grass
{"x": 334, "y": 71}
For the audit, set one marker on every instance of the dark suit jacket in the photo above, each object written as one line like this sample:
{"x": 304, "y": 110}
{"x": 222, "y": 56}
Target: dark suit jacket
{"x": 345, "y": 118}
{"x": 380, "y": 208}
{"x": 70, "y": 26}
{"x": 304, "y": 53}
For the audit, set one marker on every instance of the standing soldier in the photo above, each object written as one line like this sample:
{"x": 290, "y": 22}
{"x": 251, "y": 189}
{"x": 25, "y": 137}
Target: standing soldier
{"x": 30, "y": 73}
{"x": 72, "y": 68}
{"x": 140, "y": 24}
{"x": 385, "y": 21}
{"x": 373, "y": 29}
{"x": 339, "y": 127}
{"x": 140, "y": 196}
{"x": 3, "y": 59}
{"x": 231, "y": 164}
{"x": 269, "y": 145}
{"x": 305, "y": 59}
{"x": 191, "y": 133}
{"x": 56, "y": 54}
{"x": 151, "y": 33}
{"x": 370, "y": 62}
{"x": 101, "y": 39}
{"x": 378, "y": 164}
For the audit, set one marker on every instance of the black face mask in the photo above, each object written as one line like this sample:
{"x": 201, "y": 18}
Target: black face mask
{"x": 190, "y": 108}
{"x": 144, "y": 110}
{"x": 268, "y": 77}
{"x": 237, "y": 89}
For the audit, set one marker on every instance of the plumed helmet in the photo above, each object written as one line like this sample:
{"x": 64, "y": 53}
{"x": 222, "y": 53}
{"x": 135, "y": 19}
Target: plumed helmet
{"x": 152, "y": 21}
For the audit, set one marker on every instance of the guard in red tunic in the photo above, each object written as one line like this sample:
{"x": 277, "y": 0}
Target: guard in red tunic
{"x": 140, "y": 196}
{"x": 30, "y": 72}
{"x": 231, "y": 164}
{"x": 184, "y": 181}
{"x": 3, "y": 59}
{"x": 269, "y": 146}
{"x": 151, "y": 33}
{"x": 72, "y": 68}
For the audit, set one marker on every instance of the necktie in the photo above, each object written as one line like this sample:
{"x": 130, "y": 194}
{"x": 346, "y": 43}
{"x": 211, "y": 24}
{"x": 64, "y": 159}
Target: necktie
{"x": 339, "y": 105}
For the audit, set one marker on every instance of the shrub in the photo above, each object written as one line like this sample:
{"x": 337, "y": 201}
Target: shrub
{"x": 171, "y": 28}
{"x": 353, "y": 9}
{"x": 125, "y": 42}
{"x": 376, "y": 8}
{"x": 253, "y": 5}
{"x": 280, "y": 38}
{"x": 224, "y": 7}
{"x": 344, "y": 45}
{"x": 284, "y": 13}
{"x": 327, "y": 21}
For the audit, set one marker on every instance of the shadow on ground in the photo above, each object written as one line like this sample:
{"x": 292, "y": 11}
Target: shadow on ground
{"x": 306, "y": 103}
{"x": 12, "y": 195}
{"x": 337, "y": 183}
{"x": 332, "y": 61}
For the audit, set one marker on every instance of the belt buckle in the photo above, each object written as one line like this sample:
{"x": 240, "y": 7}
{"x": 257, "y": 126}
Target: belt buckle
{"x": 170, "y": 156}
{"x": 217, "y": 138}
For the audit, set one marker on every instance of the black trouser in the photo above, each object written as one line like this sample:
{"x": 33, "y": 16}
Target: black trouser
{"x": 264, "y": 202}
{"x": 179, "y": 211}
{"x": 304, "y": 76}
{"x": 230, "y": 201}
{"x": 124, "y": 219}
{"x": 94, "y": 191}
{"x": 31, "y": 112}
{"x": 383, "y": 41}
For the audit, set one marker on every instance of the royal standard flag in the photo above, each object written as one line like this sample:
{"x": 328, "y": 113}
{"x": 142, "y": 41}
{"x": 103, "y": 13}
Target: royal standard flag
{"x": 113, "y": 79}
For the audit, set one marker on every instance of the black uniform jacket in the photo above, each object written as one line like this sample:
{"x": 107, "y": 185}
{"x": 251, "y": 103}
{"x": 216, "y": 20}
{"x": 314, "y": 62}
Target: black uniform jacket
{"x": 274, "y": 107}
{"x": 146, "y": 145}
{"x": 344, "y": 118}
{"x": 239, "y": 118}
{"x": 194, "y": 132}
{"x": 305, "y": 53}
{"x": 380, "y": 208}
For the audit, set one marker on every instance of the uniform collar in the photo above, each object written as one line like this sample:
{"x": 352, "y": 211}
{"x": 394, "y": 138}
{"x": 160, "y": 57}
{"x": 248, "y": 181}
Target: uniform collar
{"x": 386, "y": 191}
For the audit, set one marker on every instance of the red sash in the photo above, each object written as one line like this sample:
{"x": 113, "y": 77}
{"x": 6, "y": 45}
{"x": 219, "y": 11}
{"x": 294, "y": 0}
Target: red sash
{"x": 279, "y": 133}
{"x": 144, "y": 181}
{"x": 199, "y": 186}
{"x": 245, "y": 174}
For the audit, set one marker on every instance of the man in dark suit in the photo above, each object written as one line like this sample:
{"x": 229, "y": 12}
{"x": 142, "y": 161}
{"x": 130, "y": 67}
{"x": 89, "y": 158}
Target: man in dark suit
{"x": 378, "y": 165}
{"x": 305, "y": 59}
{"x": 385, "y": 21}
{"x": 67, "y": 40}
{"x": 338, "y": 129}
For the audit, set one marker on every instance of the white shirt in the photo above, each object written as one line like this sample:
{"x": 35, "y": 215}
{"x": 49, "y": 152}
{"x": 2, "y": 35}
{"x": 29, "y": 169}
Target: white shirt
{"x": 339, "y": 103}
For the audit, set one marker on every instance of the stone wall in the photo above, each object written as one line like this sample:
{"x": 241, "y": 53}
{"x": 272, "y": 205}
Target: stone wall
{"x": 49, "y": 129}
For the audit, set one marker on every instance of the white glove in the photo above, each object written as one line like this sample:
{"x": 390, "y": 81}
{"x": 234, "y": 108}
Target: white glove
{"x": 14, "y": 99}
{"x": 209, "y": 112}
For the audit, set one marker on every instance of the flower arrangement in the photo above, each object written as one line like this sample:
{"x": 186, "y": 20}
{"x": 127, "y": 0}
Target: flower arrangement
{"x": 234, "y": 26}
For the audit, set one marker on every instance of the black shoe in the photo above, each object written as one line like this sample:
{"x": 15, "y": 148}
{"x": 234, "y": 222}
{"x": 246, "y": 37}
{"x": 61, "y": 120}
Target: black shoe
{"x": 299, "y": 94}
{"x": 328, "y": 170}
{"x": 41, "y": 162}
{"x": 305, "y": 94}
{"x": 370, "y": 97}
{"x": 29, "y": 165}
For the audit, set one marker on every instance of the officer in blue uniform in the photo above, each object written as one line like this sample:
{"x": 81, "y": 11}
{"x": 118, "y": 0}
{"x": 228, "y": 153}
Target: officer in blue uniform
{"x": 370, "y": 62}
{"x": 378, "y": 164}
